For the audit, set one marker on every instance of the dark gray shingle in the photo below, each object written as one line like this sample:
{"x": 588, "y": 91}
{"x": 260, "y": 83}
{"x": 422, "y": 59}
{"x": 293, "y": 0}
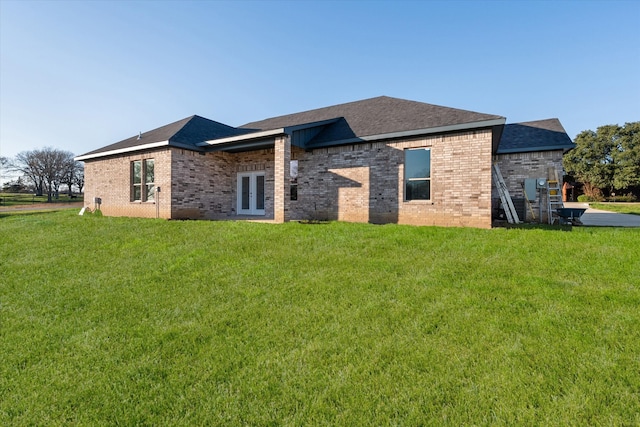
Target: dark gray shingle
{"x": 374, "y": 116}
{"x": 539, "y": 135}
{"x": 188, "y": 131}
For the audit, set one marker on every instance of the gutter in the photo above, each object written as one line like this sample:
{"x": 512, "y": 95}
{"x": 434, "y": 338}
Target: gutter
{"x": 122, "y": 150}
{"x": 564, "y": 148}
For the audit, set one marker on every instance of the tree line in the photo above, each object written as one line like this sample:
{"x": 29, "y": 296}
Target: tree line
{"x": 607, "y": 160}
{"x": 45, "y": 171}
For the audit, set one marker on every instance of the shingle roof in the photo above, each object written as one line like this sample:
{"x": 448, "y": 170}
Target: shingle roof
{"x": 374, "y": 116}
{"x": 188, "y": 131}
{"x": 378, "y": 117}
{"x": 539, "y": 135}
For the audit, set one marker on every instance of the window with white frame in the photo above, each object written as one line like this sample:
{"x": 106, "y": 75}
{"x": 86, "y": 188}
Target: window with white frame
{"x": 417, "y": 174}
{"x": 142, "y": 180}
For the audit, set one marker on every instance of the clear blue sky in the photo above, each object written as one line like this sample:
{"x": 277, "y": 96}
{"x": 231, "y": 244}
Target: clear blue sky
{"x": 83, "y": 74}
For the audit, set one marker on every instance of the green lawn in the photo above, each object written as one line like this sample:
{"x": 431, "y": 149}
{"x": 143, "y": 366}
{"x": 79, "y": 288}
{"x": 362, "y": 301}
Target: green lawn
{"x": 627, "y": 208}
{"x": 113, "y": 321}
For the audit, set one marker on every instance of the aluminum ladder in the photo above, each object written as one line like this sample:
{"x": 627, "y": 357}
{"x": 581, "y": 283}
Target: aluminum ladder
{"x": 505, "y": 197}
{"x": 554, "y": 194}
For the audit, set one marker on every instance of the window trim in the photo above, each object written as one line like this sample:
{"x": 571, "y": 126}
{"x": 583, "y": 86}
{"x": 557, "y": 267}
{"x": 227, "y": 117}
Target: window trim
{"x": 421, "y": 179}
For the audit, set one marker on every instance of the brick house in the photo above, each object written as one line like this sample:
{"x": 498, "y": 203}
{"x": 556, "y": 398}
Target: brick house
{"x": 531, "y": 150}
{"x": 379, "y": 160}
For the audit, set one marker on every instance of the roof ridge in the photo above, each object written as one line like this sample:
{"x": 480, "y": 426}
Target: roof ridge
{"x": 534, "y": 121}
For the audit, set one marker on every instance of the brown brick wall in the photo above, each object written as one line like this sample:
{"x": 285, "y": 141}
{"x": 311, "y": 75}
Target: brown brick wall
{"x": 193, "y": 185}
{"x": 205, "y": 185}
{"x": 361, "y": 182}
{"x": 516, "y": 167}
{"x": 281, "y": 193}
{"x": 365, "y": 182}
{"x": 110, "y": 179}
{"x": 199, "y": 184}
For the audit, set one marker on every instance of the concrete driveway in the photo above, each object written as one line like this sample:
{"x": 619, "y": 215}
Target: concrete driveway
{"x": 598, "y": 218}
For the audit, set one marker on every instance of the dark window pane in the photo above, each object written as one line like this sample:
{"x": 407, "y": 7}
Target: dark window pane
{"x": 417, "y": 164}
{"x": 137, "y": 193}
{"x": 294, "y": 191}
{"x": 260, "y": 192}
{"x": 418, "y": 190}
{"x": 245, "y": 192}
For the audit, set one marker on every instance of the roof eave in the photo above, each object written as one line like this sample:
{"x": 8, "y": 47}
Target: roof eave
{"x": 242, "y": 138}
{"x": 564, "y": 148}
{"x": 415, "y": 132}
{"x": 122, "y": 150}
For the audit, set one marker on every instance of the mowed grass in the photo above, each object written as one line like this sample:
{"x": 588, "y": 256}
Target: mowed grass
{"x": 626, "y": 208}
{"x": 114, "y": 321}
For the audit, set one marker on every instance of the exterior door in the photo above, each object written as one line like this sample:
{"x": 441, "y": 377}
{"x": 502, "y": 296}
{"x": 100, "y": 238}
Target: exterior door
{"x": 251, "y": 193}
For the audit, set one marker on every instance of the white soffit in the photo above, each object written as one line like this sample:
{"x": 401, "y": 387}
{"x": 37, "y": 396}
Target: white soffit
{"x": 122, "y": 150}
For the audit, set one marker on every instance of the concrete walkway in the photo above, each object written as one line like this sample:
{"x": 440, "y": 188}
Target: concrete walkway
{"x": 598, "y": 218}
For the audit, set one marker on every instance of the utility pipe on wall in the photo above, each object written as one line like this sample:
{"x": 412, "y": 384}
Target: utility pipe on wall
{"x": 157, "y": 197}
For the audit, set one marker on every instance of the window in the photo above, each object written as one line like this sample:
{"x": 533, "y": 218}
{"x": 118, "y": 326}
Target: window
{"x": 142, "y": 180}
{"x": 417, "y": 174}
{"x": 149, "y": 179}
{"x": 293, "y": 172}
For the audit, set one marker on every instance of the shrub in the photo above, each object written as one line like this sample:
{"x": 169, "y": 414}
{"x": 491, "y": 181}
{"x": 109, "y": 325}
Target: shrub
{"x": 588, "y": 199}
{"x": 629, "y": 197}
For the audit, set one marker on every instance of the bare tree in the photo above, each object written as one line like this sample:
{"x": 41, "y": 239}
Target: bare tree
{"x": 27, "y": 163}
{"x": 74, "y": 175}
{"x": 4, "y": 166}
{"x": 45, "y": 168}
{"x": 78, "y": 177}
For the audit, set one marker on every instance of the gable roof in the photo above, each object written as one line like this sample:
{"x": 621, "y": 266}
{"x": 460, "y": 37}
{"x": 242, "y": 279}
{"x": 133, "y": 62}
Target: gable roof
{"x": 539, "y": 135}
{"x": 371, "y": 119}
{"x": 185, "y": 133}
{"x": 382, "y": 115}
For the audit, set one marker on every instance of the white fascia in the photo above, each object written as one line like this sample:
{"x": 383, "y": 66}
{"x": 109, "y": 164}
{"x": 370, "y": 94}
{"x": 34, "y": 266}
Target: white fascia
{"x": 122, "y": 150}
{"x": 243, "y": 137}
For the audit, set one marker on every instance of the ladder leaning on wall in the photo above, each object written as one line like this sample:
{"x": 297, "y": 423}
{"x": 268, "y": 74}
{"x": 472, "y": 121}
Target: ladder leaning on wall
{"x": 554, "y": 194}
{"x": 505, "y": 197}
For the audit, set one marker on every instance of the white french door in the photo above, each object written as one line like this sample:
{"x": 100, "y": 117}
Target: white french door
{"x": 251, "y": 193}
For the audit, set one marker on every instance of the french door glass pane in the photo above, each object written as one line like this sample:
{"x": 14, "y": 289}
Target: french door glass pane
{"x": 245, "y": 192}
{"x": 260, "y": 192}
